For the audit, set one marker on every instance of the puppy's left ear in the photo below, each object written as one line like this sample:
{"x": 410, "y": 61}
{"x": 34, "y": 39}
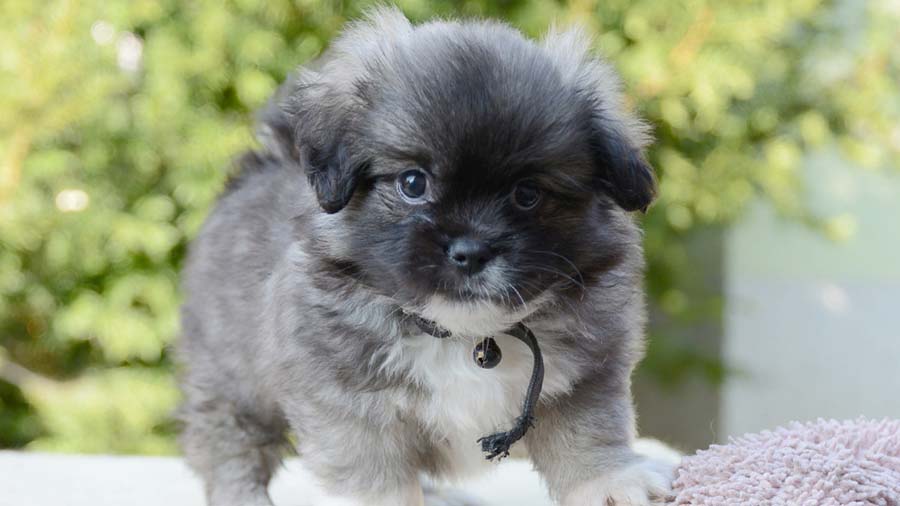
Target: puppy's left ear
{"x": 616, "y": 138}
{"x": 621, "y": 170}
{"x": 307, "y": 124}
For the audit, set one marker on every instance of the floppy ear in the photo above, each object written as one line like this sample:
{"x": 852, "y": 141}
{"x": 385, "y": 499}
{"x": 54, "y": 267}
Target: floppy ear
{"x": 332, "y": 173}
{"x": 307, "y": 123}
{"x": 622, "y": 172}
{"x": 616, "y": 138}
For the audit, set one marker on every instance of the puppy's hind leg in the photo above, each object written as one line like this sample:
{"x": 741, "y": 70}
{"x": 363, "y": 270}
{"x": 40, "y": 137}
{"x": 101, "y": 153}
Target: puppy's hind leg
{"x": 234, "y": 451}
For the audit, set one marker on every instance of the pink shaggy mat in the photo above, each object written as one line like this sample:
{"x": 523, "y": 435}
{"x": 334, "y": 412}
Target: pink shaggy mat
{"x": 823, "y": 463}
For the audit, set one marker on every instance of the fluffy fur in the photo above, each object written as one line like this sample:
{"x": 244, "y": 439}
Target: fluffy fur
{"x": 300, "y": 285}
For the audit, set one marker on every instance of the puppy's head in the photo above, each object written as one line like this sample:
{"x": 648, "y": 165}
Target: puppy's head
{"x": 469, "y": 172}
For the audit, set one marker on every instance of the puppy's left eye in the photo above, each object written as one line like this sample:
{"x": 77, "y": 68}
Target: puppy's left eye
{"x": 526, "y": 195}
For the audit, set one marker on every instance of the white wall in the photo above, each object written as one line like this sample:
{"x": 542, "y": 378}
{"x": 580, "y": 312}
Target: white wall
{"x": 813, "y": 326}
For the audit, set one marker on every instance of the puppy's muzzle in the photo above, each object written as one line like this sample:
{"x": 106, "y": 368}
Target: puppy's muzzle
{"x": 469, "y": 255}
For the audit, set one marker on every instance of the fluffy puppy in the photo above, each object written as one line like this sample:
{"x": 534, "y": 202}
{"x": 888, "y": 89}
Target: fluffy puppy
{"x": 454, "y": 171}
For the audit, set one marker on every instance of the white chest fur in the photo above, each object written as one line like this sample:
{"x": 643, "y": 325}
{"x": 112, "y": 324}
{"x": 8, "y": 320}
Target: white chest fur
{"x": 463, "y": 401}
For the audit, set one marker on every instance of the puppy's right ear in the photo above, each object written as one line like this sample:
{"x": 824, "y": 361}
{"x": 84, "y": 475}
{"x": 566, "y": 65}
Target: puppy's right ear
{"x": 307, "y": 124}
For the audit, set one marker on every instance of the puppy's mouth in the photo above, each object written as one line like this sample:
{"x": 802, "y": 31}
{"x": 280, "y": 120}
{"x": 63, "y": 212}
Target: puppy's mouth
{"x": 469, "y": 295}
{"x": 472, "y": 277}
{"x": 493, "y": 285}
{"x": 480, "y": 303}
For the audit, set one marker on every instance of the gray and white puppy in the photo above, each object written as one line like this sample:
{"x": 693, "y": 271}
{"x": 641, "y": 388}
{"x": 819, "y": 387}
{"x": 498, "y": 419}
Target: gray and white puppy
{"x": 451, "y": 170}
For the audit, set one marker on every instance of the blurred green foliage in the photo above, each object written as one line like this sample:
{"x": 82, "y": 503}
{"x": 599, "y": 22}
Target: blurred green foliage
{"x": 118, "y": 121}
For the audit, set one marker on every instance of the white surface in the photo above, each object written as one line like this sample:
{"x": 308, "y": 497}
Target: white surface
{"x": 41, "y": 479}
{"x": 35, "y": 479}
{"x": 813, "y": 326}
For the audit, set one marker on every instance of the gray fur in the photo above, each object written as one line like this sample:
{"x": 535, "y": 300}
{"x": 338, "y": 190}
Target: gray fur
{"x": 299, "y": 285}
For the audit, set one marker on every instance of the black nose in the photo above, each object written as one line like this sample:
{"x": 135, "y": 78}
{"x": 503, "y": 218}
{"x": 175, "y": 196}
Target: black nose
{"x": 469, "y": 255}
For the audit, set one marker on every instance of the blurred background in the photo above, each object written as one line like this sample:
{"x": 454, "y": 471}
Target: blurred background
{"x": 773, "y": 251}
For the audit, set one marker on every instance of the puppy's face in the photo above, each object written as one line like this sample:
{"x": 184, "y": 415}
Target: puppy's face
{"x": 471, "y": 168}
{"x": 475, "y": 195}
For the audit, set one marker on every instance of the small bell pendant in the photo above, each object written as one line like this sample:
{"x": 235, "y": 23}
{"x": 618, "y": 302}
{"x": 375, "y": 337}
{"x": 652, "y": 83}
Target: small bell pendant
{"x": 487, "y": 354}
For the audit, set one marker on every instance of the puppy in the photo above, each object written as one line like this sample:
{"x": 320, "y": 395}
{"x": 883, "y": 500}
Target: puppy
{"x": 451, "y": 172}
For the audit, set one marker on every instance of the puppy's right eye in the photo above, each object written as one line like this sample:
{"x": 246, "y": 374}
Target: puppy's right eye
{"x": 412, "y": 184}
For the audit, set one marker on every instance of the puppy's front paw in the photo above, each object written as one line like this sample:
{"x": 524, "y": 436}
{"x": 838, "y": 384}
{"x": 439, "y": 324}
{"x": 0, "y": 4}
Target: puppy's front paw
{"x": 646, "y": 482}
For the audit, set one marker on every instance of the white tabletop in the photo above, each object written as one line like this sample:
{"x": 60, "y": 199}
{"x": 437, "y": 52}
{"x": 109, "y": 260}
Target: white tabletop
{"x": 43, "y": 479}
{"x": 40, "y": 479}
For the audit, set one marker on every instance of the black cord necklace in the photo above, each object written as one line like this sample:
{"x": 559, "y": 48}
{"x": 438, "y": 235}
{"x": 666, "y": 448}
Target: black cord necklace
{"x": 487, "y": 355}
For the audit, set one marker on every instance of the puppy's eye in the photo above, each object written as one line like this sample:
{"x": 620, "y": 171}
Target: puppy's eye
{"x": 412, "y": 184}
{"x": 526, "y": 195}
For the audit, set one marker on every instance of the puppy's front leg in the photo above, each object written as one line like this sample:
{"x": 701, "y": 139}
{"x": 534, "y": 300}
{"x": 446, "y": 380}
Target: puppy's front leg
{"x": 359, "y": 462}
{"x": 581, "y": 444}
